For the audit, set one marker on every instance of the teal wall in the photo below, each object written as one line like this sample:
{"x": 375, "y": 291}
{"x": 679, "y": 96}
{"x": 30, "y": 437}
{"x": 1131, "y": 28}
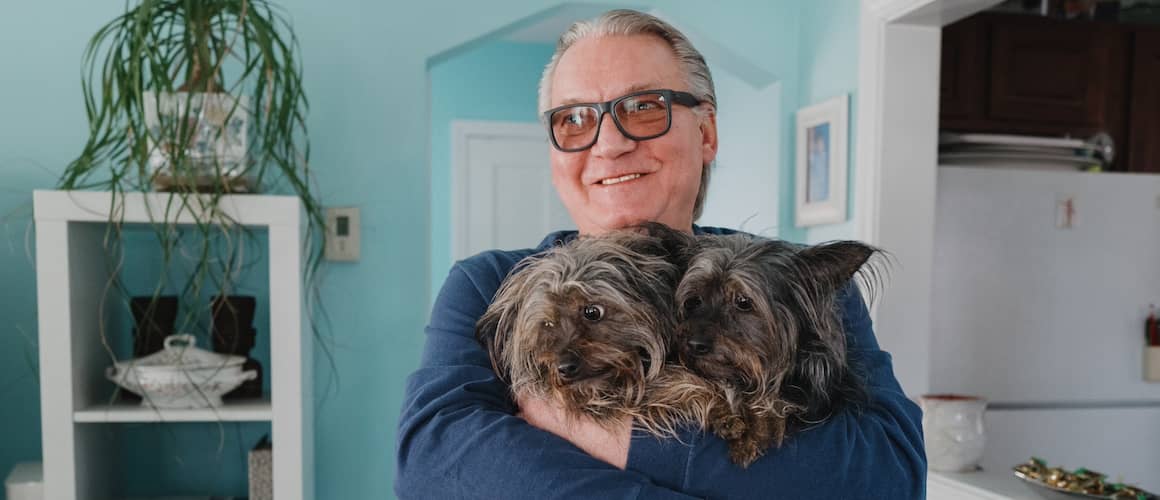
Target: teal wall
{"x": 367, "y": 77}
{"x": 829, "y": 68}
{"x": 495, "y": 81}
{"x": 41, "y": 126}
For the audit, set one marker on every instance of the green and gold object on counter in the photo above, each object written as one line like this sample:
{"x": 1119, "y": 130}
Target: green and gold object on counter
{"x": 1059, "y": 483}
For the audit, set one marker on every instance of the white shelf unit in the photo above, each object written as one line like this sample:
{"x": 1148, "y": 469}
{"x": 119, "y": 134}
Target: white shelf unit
{"x": 70, "y": 277}
{"x": 241, "y": 411}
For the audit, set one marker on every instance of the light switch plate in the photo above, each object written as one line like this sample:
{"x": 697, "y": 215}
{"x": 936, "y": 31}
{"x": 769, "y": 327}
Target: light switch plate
{"x": 342, "y": 234}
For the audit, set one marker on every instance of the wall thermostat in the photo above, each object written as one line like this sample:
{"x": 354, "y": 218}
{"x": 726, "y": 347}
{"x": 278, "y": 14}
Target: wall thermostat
{"x": 342, "y": 234}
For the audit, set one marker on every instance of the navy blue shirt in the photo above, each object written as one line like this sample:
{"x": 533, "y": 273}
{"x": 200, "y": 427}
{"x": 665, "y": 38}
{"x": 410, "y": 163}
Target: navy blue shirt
{"x": 459, "y": 438}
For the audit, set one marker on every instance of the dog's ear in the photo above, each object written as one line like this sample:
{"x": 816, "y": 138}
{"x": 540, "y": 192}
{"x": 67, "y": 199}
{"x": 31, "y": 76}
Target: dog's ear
{"x": 487, "y": 332}
{"x": 493, "y": 330}
{"x": 832, "y": 265}
{"x": 486, "y": 329}
{"x": 822, "y": 379}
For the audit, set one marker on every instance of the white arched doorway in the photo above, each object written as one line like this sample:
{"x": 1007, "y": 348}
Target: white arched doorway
{"x": 749, "y": 167}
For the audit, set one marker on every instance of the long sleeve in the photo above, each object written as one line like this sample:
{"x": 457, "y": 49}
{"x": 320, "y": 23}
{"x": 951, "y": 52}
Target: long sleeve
{"x": 876, "y": 452}
{"x": 458, "y": 437}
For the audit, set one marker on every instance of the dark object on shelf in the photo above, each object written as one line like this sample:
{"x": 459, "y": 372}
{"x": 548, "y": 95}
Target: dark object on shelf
{"x": 234, "y": 333}
{"x": 154, "y": 318}
{"x": 250, "y": 389}
{"x": 233, "y": 323}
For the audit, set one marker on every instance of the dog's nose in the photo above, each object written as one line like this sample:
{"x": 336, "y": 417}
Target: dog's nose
{"x": 700, "y": 345}
{"x": 568, "y": 366}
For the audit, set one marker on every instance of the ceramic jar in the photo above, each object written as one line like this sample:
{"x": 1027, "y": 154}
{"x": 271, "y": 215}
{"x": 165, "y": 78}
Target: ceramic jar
{"x": 953, "y": 429}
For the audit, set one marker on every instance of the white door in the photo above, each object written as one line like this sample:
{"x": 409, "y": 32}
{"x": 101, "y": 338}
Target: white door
{"x": 502, "y": 194}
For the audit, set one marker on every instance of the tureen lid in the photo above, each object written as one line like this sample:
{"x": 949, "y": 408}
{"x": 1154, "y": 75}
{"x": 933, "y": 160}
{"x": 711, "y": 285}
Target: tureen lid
{"x": 181, "y": 352}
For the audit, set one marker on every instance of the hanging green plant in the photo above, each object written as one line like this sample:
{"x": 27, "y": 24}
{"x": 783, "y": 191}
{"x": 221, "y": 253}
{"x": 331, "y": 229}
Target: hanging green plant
{"x": 174, "y": 89}
{"x": 200, "y": 99}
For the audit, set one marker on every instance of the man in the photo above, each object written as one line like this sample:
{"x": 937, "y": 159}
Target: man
{"x": 461, "y": 436}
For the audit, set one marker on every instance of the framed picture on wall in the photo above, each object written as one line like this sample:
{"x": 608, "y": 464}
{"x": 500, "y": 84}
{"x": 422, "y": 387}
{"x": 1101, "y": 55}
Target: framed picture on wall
{"x": 820, "y": 168}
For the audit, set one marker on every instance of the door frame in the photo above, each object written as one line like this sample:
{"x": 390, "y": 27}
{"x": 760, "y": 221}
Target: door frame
{"x": 462, "y": 132}
{"x": 896, "y": 161}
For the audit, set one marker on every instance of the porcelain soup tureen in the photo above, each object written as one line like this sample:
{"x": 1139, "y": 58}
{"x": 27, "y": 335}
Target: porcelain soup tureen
{"x": 181, "y": 375}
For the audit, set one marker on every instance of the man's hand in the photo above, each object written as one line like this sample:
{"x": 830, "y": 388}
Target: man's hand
{"x": 609, "y": 444}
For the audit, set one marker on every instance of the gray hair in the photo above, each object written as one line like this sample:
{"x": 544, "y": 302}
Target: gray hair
{"x": 626, "y": 22}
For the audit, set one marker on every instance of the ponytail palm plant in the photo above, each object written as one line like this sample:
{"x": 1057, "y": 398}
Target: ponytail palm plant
{"x": 162, "y": 53}
{"x": 200, "y": 99}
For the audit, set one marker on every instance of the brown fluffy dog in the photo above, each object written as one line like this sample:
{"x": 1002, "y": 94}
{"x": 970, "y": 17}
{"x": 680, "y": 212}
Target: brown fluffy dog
{"x": 759, "y": 319}
{"x": 590, "y": 323}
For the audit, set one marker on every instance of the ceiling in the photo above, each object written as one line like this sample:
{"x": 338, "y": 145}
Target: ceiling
{"x": 548, "y": 28}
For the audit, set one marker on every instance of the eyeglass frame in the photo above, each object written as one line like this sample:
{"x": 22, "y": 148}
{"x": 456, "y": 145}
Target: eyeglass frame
{"x": 602, "y": 108}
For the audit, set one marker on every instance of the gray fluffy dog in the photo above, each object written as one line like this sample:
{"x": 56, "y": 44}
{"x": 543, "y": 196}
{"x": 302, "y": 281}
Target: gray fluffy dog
{"x": 590, "y": 324}
{"x": 760, "y": 320}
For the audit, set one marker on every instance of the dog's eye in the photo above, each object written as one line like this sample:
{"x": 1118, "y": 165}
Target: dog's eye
{"x": 549, "y": 323}
{"x": 592, "y": 312}
{"x": 743, "y": 303}
{"x": 692, "y": 303}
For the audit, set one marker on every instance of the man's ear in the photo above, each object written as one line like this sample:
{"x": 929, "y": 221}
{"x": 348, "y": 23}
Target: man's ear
{"x": 709, "y": 136}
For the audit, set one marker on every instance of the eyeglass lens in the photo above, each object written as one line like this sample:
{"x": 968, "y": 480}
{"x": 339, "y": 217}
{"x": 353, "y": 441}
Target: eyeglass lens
{"x": 639, "y": 117}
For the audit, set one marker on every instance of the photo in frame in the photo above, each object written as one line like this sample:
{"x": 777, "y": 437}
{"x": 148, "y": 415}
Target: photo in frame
{"x": 820, "y": 167}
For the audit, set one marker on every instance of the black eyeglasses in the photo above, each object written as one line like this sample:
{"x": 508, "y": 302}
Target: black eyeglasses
{"x": 640, "y": 116}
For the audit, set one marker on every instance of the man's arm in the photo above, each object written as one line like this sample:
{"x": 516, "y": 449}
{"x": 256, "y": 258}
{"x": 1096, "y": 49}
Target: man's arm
{"x": 458, "y": 437}
{"x": 875, "y": 452}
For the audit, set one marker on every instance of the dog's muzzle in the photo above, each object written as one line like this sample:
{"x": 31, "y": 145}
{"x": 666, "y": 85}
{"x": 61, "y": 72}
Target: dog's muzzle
{"x": 699, "y": 344}
{"x": 568, "y": 367}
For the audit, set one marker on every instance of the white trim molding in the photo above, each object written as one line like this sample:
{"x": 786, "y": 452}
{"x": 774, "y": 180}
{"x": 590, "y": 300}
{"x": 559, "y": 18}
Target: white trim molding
{"x": 889, "y": 11}
{"x": 896, "y": 163}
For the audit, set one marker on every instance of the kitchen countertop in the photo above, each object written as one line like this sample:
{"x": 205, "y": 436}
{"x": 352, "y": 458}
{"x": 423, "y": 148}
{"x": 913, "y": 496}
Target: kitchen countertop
{"x": 985, "y": 484}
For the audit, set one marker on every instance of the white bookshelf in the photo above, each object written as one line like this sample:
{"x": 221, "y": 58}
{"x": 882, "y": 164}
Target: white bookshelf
{"x": 125, "y": 412}
{"x": 71, "y": 276}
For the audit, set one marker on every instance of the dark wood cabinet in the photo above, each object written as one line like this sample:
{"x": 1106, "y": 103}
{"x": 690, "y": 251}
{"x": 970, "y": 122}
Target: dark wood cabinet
{"x": 962, "y": 76}
{"x": 1032, "y": 75}
{"x": 1055, "y": 72}
{"x": 1144, "y": 111}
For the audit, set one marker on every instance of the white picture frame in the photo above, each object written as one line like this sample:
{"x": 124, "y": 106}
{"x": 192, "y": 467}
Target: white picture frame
{"x": 821, "y": 165}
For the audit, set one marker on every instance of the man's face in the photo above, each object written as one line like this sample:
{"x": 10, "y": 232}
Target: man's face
{"x": 669, "y": 167}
